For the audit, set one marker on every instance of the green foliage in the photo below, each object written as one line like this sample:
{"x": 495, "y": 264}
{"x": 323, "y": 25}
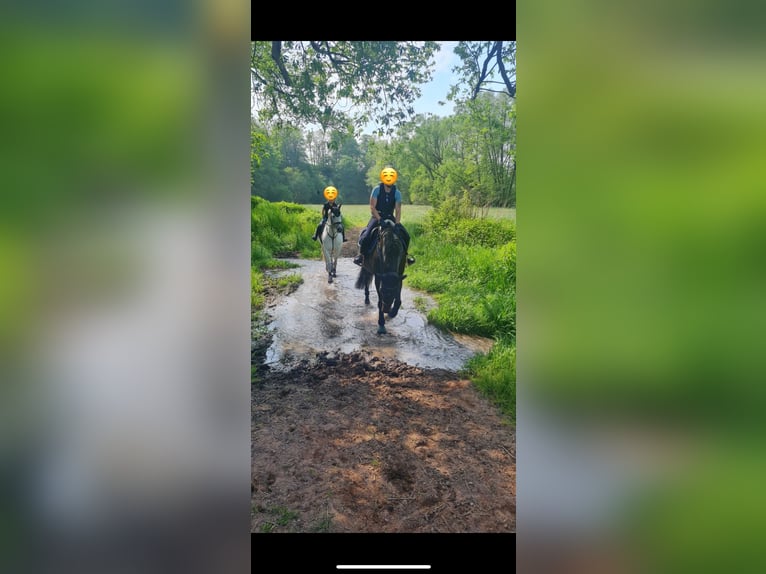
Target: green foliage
{"x": 476, "y": 59}
{"x": 483, "y": 232}
{"x": 495, "y": 374}
{"x": 470, "y": 154}
{"x": 279, "y": 229}
{"x": 256, "y": 289}
{"x": 258, "y": 147}
{"x": 307, "y": 82}
{"x": 471, "y": 264}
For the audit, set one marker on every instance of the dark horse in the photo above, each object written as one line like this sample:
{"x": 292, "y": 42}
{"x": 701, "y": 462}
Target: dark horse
{"x": 385, "y": 263}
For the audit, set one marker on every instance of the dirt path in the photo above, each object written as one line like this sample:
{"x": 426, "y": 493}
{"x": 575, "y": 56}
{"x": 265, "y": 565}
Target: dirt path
{"x": 357, "y": 443}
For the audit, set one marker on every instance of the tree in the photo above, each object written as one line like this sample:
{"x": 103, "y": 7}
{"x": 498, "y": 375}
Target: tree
{"x": 485, "y": 67}
{"x": 340, "y": 85}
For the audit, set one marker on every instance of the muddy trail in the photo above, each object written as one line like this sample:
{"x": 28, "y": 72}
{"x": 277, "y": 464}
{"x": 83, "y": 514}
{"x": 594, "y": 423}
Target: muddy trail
{"x": 365, "y": 433}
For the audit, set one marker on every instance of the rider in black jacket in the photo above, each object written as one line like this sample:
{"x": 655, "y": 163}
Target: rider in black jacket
{"x": 385, "y": 203}
{"x": 330, "y": 194}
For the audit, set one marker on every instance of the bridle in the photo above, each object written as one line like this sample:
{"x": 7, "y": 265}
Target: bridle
{"x": 333, "y": 227}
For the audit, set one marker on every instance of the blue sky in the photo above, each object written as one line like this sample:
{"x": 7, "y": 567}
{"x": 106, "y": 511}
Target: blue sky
{"x": 436, "y": 90}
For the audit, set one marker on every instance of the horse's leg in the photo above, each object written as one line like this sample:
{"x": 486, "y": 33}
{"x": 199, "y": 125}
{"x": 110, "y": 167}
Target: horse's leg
{"x": 381, "y": 319}
{"x": 395, "y": 308}
{"x": 381, "y": 314}
{"x": 367, "y": 290}
{"x": 381, "y": 323}
{"x": 327, "y": 260}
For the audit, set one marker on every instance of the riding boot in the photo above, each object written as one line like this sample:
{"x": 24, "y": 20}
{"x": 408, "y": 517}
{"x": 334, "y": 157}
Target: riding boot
{"x": 410, "y": 260}
{"x": 317, "y": 232}
{"x": 359, "y": 260}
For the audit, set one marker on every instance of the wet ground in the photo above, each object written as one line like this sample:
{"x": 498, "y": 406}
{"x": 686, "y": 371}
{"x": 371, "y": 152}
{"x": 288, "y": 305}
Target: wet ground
{"x": 321, "y": 316}
{"x": 358, "y": 432}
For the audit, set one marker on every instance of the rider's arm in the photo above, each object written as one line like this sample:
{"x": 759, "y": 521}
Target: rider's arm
{"x": 398, "y": 212}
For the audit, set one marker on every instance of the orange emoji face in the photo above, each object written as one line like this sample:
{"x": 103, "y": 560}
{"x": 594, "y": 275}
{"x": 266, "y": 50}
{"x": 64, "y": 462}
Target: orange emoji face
{"x": 388, "y": 175}
{"x": 330, "y": 193}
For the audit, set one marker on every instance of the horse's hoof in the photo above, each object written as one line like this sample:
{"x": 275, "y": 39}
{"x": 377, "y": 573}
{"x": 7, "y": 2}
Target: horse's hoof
{"x": 392, "y": 314}
{"x": 381, "y": 330}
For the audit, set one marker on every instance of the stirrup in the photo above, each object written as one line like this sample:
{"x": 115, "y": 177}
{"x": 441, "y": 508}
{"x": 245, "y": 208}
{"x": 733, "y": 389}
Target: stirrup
{"x": 410, "y": 260}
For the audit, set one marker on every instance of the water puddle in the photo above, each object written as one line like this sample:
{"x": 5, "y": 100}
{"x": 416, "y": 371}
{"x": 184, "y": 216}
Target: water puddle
{"x": 320, "y": 316}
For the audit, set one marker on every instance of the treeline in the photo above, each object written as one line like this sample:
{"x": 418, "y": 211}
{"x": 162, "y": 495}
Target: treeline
{"x": 471, "y": 154}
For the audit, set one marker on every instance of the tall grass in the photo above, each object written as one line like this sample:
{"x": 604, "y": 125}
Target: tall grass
{"x": 469, "y": 265}
{"x": 280, "y": 229}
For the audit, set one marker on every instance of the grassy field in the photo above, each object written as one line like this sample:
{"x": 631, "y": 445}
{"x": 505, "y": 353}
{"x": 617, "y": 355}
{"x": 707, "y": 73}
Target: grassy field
{"x": 359, "y": 214}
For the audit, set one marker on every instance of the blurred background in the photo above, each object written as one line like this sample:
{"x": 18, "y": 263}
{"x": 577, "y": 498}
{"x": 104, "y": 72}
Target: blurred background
{"x": 641, "y": 287}
{"x": 124, "y": 298}
{"x": 124, "y": 322}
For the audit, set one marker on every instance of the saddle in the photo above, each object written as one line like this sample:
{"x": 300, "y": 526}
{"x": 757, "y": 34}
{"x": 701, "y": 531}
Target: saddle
{"x": 372, "y": 240}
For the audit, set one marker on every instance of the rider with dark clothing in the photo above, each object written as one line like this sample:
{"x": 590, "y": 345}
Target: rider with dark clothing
{"x": 330, "y": 194}
{"x": 385, "y": 203}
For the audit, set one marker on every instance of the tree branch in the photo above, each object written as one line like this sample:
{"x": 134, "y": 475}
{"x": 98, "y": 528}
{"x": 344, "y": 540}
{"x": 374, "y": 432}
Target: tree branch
{"x": 511, "y": 87}
{"x": 276, "y": 55}
{"x": 484, "y": 69}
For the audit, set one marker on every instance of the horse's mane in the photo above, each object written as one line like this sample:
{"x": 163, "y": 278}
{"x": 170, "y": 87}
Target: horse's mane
{"x": 393, "y": 248}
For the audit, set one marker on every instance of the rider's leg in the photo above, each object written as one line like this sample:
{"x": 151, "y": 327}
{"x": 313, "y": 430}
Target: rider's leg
{"x": 363, "y": 238}
{"x": 359, "y": 259}
{"x": 318, "y": 232}
{"x": 406, "y": 237}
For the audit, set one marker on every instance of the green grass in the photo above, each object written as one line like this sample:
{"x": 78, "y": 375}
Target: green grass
{"x": 469, "y": 266}
{"x": 495, "y": 375}
{"x": 358, "y": 214}
{"x": 279, "y": 516}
